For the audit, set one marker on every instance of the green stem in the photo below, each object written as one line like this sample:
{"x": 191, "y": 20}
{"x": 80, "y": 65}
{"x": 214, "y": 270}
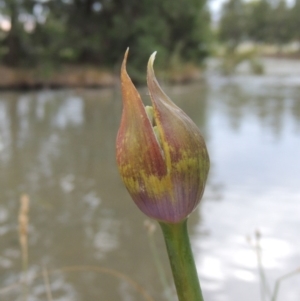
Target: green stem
{"x": 182, "y": 261}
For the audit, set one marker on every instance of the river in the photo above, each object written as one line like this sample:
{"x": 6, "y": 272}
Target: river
{"x": 88, "y": 241}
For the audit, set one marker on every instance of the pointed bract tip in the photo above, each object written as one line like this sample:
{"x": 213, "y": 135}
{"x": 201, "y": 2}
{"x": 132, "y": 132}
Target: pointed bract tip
{"x": 125, "y": 59}
{"x": 151, "y": 59}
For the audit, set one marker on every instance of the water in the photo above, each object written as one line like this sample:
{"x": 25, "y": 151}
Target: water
{"x": 88, "y": 238}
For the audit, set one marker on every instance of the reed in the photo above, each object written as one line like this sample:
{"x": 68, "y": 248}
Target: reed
{"x": 23, "y": 238}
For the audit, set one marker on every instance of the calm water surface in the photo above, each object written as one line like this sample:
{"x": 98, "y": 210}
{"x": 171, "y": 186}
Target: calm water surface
{"x": 59, "y": 148}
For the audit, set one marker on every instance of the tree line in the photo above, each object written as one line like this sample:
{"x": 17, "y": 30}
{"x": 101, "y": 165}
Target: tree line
{"x": 99, "y": 31}
{"x": 261, "y": 21}
{"x": 53, "y": 32}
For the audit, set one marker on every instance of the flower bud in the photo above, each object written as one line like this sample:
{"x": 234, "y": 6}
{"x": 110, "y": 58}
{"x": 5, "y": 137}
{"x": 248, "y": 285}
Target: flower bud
{"x": 161, "y": 154}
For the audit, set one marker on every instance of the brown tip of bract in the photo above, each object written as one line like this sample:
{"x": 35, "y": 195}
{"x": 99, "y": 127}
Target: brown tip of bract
{"x": 123, "y": 68}
{"x": 126, "y": 53}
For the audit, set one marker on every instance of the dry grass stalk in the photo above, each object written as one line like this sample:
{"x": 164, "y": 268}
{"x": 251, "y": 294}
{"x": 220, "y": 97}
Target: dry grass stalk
{"x": 23, "y": 229}
{"x": 47, "y": 284}
{"x": 23, "y": 237}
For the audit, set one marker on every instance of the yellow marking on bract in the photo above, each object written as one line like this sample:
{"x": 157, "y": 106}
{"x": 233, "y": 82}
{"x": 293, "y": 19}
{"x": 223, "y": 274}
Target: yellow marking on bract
{"x": 159, "y": 186}
{"x": 153, "y": 186}
{"x": 186, "y": 164}
{"x": 131, "y": 184}
{"x": 167, "y": 151}
{"x": 157, "y": 135}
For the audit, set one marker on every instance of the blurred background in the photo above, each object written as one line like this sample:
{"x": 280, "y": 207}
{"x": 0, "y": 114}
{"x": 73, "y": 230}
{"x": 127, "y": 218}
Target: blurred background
{"x": 68, "y": 228}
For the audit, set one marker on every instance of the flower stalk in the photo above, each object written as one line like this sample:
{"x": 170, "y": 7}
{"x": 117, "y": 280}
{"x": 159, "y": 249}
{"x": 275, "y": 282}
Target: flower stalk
{"x": 163, "y": 161}
{"x": 182, "y": 261}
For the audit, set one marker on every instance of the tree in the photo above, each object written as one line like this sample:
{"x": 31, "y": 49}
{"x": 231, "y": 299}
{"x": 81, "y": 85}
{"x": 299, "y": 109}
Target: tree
{"x": 232, "y": 26}
{"x": 258, "y": 20}
{"x": 99, "y": 31}
{"x": 295, "y": 20}
{"x": 12, "y": 41}
{"x": 280, "y": 32}
{"x": 18, "y": 41}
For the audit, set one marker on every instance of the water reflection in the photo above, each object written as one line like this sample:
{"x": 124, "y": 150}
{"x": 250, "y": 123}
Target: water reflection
{"x": 254, "y": 144}
{"x": 59, "y": 148}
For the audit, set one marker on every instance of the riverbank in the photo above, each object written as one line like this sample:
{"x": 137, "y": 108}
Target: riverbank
{"x": 67, "y": 76}
{"x": 271, "y": 66}
{"x": 81, "y": 77}
{"x": 94, "y": 77}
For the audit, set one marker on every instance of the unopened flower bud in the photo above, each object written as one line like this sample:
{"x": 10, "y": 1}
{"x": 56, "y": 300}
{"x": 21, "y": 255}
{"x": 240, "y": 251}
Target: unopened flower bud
{"x": 161, "y": 154}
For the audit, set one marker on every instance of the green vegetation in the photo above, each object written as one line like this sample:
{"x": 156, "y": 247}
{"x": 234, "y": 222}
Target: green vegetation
{"x": 249, "y": 29}
{"x": 40, "y": 39}
{"x": 97, "y": 32}
{"x": 260, "y": 21}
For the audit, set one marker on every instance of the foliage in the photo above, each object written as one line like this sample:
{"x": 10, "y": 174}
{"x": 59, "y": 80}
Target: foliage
{"x": 232, "y": 59}
{"x": 99, "y": 31}
{"x": 280, "y": 32}
{"x": 259, "y": 21}
{"x": 295, "y": 20}
{"x": 232, "y": 23}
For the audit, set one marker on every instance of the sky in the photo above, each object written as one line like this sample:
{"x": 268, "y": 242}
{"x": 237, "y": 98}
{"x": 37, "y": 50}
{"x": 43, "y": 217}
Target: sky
{"x": 215, "y": 7}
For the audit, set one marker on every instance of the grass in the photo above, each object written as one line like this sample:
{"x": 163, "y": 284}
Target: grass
{"x": 266, "y": 292}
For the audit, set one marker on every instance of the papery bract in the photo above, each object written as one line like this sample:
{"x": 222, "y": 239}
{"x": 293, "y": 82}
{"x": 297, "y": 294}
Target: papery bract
{"x": 163, "y": 162}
